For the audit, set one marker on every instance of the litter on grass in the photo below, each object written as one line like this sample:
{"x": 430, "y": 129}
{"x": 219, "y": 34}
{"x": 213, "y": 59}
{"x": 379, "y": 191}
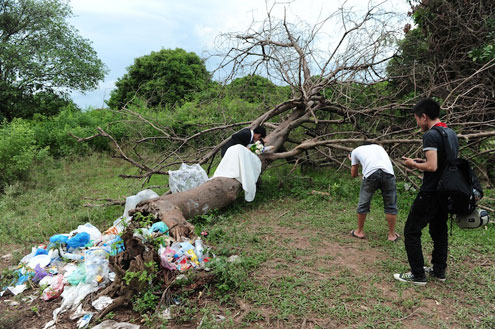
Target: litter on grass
{"x": 76, "y": 264}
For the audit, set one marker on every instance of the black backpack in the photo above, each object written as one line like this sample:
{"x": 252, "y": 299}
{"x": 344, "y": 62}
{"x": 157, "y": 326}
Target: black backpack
{"x": 458, "y": 182}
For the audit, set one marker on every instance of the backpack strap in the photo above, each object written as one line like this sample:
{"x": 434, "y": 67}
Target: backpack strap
{"x": 450, "y": 159}
{"x": 449, "y": 156}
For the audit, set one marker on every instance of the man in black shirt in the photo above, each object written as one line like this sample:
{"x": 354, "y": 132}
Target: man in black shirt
{"x": 244, "y": 137}
{"x": 428, "y": 207}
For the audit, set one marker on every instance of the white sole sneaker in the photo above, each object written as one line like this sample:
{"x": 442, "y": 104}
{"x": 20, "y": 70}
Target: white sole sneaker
{"x": 430, "y": 274}
{"x": 406, "y": 278}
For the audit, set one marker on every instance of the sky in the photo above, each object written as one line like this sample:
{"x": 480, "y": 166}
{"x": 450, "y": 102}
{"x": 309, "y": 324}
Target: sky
{"x": 122, "y": 30}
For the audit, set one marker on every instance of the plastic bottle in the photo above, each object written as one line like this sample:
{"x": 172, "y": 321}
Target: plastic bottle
{"x": 75, "y": 257}
{"x": 199, "y": 248}
{"x": 97, "y": 268}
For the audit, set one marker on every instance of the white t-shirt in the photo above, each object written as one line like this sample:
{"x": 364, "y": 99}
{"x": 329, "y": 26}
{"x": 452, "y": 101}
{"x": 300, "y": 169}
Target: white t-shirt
{"x": 372, "y": 157}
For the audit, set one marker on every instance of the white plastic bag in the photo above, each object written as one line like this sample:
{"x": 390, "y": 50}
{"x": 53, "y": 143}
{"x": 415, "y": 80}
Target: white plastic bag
{"x": 102, "y": 302}
{"x": 186, "y": 178}
{"x": 94, "y": 233}
{"x": 131, "y": 203}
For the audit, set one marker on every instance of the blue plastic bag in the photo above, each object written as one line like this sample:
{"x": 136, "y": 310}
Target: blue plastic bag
{"x": 79, "y": 240}
{"x": 159, "y": 226}
{"x": 59, "y": 238}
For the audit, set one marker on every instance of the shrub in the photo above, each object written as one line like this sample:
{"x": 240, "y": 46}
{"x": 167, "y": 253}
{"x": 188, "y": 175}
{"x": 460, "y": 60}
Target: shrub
{"x": 54, "y": 132}
{"x": 18, "y": 149}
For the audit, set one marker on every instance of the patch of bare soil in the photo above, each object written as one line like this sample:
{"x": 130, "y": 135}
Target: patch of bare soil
{"x": 357, "y": 258}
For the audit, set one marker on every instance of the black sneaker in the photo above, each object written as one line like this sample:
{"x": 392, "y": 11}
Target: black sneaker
{"x": 430, "y": 273}
{"x": 410, "y": 278}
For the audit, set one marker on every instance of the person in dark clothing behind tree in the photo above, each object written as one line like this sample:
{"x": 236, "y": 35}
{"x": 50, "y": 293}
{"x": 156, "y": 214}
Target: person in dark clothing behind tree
{"x": 245, "y": 137}
{"x": 428, "y": 207}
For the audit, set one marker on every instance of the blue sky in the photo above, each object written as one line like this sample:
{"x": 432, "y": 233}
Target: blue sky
{"x": 122, "y": 30}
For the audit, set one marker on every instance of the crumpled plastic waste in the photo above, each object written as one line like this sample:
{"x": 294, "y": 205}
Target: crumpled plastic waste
{"x": 130, "y": 203}
{"x": 39, "y": 273}
{"x": 79, "y": 240}
{"x": 114, "y": 246}
{"x": 23, "y": 276}
{"x": 84, "y": 320}
{"x": 143, "y": 234}
{"x": 41, "y": 251}
{"x": 76, "y": 264}
{"x": 77, "y": 276}
{"x": 14, "y": 290}
{"x": 55, "y": 289}
{"x": 182, "y": 256}
{"x": 159, "y": 227}
{"x": 42, "y": 260}
{"x": 94, "y": 233}
{"x": 186, "y": 177}
{"x": 97, "y": 267}
{"x": 102, "y": 303}
{"x": 59, "y": 238}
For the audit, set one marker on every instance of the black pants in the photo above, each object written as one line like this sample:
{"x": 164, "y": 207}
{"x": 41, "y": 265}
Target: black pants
{"x": 427, "y": 208}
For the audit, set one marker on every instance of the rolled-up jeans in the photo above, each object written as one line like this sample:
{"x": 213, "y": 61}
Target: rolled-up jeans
{"x": 378, "y": 180}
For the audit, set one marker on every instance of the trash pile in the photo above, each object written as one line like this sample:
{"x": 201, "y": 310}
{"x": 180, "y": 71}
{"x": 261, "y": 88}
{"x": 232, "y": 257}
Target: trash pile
{"x": 73, "y": 265}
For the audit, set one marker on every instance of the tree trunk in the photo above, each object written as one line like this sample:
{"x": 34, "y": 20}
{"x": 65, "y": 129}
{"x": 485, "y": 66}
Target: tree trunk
{"x": 175, "y": 209}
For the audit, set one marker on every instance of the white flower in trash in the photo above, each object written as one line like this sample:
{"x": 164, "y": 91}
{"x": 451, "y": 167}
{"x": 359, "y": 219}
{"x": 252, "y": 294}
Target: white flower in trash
{"x": 257, "y": 147}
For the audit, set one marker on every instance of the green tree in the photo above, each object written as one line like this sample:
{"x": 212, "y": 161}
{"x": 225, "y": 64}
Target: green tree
{"x": 165, "y": 77}
{"x": 451, "y": 42}
{"x": 42, "y": 57}
{"x": 253, "y": 88}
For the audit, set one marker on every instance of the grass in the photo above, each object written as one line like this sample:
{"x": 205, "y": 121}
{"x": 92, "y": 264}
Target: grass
{"x": 52, "y": 200}
{"x": 298, "y": 265}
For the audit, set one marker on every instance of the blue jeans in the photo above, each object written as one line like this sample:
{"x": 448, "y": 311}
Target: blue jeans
{"x": 378, "y": 180}
{"x": 427, "y": 208}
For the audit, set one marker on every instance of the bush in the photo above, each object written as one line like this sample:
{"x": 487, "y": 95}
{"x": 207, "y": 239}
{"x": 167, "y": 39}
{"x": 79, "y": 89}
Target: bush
{"x": 54, "y": 132}
{"x": 18, "y": 149}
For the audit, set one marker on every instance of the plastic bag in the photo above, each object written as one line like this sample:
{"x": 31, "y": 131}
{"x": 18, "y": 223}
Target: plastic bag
{"x": 159, "y": 227}
{"x": 130, "y": 203}
{"x": 111, "y": 324}
{"x": 97, "y": 269}
{"x": 102, "y": 302}
{"x": 40, "y": 273}
{"x": 55, "y": 289}
{"x": 72, "y": 297}
{"x": 78, "y": 240}
{"x": 94, "y": 233}
{"x": 77, "y": 276}
{"x": 114, "y": 246}
{"x": 59, "y": 238}
{"x": 167, "y": 258}
{"x": 41, "y": 260}
{"x": 186, "y": 178}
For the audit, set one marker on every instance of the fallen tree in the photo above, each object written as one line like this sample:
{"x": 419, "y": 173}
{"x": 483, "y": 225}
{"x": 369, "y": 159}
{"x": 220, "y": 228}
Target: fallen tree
{"x": 336, "y": 103}
{"x": 338, "y": 100}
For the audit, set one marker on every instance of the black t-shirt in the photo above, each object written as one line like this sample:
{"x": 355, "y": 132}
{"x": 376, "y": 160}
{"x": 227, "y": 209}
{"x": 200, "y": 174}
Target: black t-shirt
{"x": 433, "y": 141}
